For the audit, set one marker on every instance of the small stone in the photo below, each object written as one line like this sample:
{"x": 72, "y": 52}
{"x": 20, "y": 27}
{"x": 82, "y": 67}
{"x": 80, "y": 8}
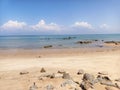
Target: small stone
{"x": 23, "y": 72}
{"x": 66, "y": 76}
{"x": 61, "y": 71}
{"x": 103, "y": 73}
{"x": 42, "y": 70}
{"x": 80, "y": 72}
{"x": 52, "y": 76}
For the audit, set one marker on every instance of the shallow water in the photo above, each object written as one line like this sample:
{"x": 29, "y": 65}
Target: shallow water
{"x": 57, "y": 41}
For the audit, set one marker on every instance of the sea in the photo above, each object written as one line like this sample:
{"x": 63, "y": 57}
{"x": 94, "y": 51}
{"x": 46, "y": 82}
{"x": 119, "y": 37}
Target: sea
{"x": 57, "y": 41}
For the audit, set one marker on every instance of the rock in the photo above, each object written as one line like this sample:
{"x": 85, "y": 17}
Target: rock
{"x": 70, "y": 83}
{"x": 105, "y": 80}
{"x": 103, "y": 73}
{"x": 61, "y": 71}
{"x": 33, "y": 87}
{"x": 50, "y": 87}
{"x": 39, "y": 56}
{"x": 80, "y": 72}
{"x": 66, "y": 76}
{"x": 47, "y": 75}
{"x": 88, "y": 77}
{"x": 84, "y": 42}
{"x": 42, "y": 70}
{"x": 23, "y": 72}
{"x": 85, "y": 85}
{"x": 48, "y": 46}
{"x": 88, "y": 81}
{"x": 68, "y": 38}
{"x": 52, "y": 75}
{"x": 112, "y": 42}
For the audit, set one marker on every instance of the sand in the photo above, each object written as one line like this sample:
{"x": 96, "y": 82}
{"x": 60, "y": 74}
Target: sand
{"x": 91, "y": 60}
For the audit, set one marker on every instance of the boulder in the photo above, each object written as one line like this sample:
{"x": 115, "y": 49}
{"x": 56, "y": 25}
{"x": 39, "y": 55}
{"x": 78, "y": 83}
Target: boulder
{"x": 89, "y": 77}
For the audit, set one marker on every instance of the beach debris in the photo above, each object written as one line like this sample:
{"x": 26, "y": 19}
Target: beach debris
{"x": 48, "y": 46}
{"x": 81, "y": 71}
{"x": 23, "y": 72}
{"x": 49, "y": 87}
{"x": 42, "y": 70}
{"x": 66, "y": 76}
{"x": 68, "y": 38}
{"x": 33, "y": 87}
{"x": 61, "y": 71}
{"x": 84, "y": 42}
{"x": 103, "y": 73}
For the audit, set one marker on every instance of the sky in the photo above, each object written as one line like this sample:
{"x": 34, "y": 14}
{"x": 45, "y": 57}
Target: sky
{"x": 43, "y": 17}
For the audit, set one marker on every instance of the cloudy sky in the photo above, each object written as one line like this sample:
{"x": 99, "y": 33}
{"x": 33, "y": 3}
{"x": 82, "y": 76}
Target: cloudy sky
{"x": 59, "y": 17}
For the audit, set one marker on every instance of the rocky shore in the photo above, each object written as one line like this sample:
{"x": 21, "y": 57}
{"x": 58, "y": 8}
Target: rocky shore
{"x": 86, "y": 81}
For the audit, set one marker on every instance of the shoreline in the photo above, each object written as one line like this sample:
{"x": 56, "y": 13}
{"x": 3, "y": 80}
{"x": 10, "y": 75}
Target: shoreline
{"x": 42, "y": 53}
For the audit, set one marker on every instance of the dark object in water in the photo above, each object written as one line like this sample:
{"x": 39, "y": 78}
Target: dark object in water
{"x": 68, "y": 38}
{"x": 48, "y": 46}
{"x": 112, "y": 42}
{"x": 84, "y": 42}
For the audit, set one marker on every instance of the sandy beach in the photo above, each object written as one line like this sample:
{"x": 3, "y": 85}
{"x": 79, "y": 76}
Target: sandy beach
{"x": 91, "y": 60}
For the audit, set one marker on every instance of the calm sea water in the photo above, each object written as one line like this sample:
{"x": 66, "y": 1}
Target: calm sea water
{"x": 57, "y": 41}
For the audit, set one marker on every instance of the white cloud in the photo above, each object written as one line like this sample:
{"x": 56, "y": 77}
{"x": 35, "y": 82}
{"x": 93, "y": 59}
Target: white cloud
{"x": 83, "y": 25}
{"x": 13, "y": 25}
{"x": 43, "y": 26}
{"x": 104, "y": 26}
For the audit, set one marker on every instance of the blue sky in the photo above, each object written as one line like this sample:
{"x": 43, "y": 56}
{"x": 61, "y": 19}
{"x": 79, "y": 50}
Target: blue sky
{"x": 59, "y": 16}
